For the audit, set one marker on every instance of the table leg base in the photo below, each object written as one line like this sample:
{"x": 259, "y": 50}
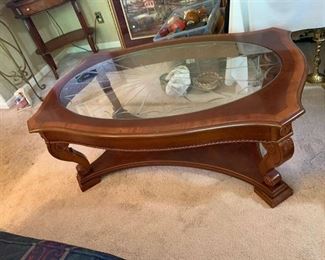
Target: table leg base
{"x": 240, "y": 160}
{"x": 275, "y": 198}
{"x": 88, "y": 183}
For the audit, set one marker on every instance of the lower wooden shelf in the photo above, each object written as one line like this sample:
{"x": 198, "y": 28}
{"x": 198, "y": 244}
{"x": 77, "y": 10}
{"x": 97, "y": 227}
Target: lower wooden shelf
{"x": 65, "y": 39}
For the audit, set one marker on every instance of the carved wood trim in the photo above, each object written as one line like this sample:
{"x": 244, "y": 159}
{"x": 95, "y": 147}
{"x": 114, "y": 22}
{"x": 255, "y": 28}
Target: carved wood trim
{"x": 286, "y": 130}
{"x": 62, "y": 151}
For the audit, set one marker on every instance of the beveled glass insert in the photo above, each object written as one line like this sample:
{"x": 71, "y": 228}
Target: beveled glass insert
{"x": 170, "y": 80}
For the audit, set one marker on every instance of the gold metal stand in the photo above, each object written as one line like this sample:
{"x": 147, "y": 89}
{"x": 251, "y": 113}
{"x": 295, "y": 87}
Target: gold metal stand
{"x": 317, "y": 77}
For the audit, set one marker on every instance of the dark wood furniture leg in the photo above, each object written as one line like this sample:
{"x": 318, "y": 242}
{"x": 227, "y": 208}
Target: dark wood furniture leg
{"x": 41, "y": 47}
{"x": 84, "y": 26}
{"x": 276, "y": 154}
{"x": 50, "y": 61}
{"x": 62, "y": 151}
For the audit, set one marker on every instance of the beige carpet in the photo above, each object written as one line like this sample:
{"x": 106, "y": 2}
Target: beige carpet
{"x": 166, "y": 212}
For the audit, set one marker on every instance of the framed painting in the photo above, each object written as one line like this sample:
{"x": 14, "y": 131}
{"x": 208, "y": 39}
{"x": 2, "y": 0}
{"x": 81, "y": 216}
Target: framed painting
{"x": 138, "y": 21}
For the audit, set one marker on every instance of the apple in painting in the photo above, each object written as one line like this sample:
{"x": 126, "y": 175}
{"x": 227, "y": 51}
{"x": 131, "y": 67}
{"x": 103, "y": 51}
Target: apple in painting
{"x": 163, "y": 32}
{"x": 176, "y": 25}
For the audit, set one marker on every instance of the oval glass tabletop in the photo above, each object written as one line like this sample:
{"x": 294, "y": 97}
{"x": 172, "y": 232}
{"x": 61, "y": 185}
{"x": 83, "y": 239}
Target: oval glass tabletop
{"x": 170, "y": 80}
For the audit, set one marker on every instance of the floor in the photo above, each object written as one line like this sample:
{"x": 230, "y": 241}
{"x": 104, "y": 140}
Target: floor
{"x": 165, "y": 212}
{"x": 66, "y": 64}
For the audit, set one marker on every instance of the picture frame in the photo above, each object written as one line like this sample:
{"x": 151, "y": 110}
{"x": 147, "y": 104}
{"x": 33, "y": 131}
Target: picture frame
{"x": 138, "y": 21}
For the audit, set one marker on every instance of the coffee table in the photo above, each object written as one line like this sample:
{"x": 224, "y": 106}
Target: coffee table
{"x": 233, "y": 115}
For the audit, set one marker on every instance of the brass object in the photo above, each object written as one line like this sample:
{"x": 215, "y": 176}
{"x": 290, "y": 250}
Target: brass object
{"x": 317, "y": 77}
{"x": 202, "y": 12}
{"x": 192, "y": 16}
{"x": 207, "y": 81}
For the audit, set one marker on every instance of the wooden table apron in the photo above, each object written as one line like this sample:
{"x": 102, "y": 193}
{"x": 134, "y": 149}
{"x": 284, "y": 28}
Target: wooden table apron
{"x": 225, "y": 139}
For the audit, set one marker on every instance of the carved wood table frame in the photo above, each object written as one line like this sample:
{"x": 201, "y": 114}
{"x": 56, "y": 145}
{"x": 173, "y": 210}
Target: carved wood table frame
{"x": 245, "y": 139}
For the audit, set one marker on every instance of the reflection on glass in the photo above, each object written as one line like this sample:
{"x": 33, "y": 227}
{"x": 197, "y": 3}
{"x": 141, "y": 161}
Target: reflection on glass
{"x": 171, "y": 80}
{"x": 145, "y": 17}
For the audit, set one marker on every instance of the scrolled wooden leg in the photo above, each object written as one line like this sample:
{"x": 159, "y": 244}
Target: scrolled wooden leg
{"x": 277, "y": 153}
{"x": 272, "y": 178}
{"x": 62, "y": 151}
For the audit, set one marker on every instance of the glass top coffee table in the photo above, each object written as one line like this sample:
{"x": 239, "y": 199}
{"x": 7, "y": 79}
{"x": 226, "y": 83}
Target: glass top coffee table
{"x": 219, "y": 102}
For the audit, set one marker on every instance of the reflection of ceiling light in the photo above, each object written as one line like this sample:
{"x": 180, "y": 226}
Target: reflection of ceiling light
{"x": 133, "y": 26}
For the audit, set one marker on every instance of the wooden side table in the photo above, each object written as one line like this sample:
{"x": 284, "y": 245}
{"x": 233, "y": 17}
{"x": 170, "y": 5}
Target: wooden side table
{"x": 25, "y": 9}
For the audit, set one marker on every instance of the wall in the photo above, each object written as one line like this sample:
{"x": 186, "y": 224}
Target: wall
{"x": 292, "y": 15}
{"x": 106, "y": 33}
